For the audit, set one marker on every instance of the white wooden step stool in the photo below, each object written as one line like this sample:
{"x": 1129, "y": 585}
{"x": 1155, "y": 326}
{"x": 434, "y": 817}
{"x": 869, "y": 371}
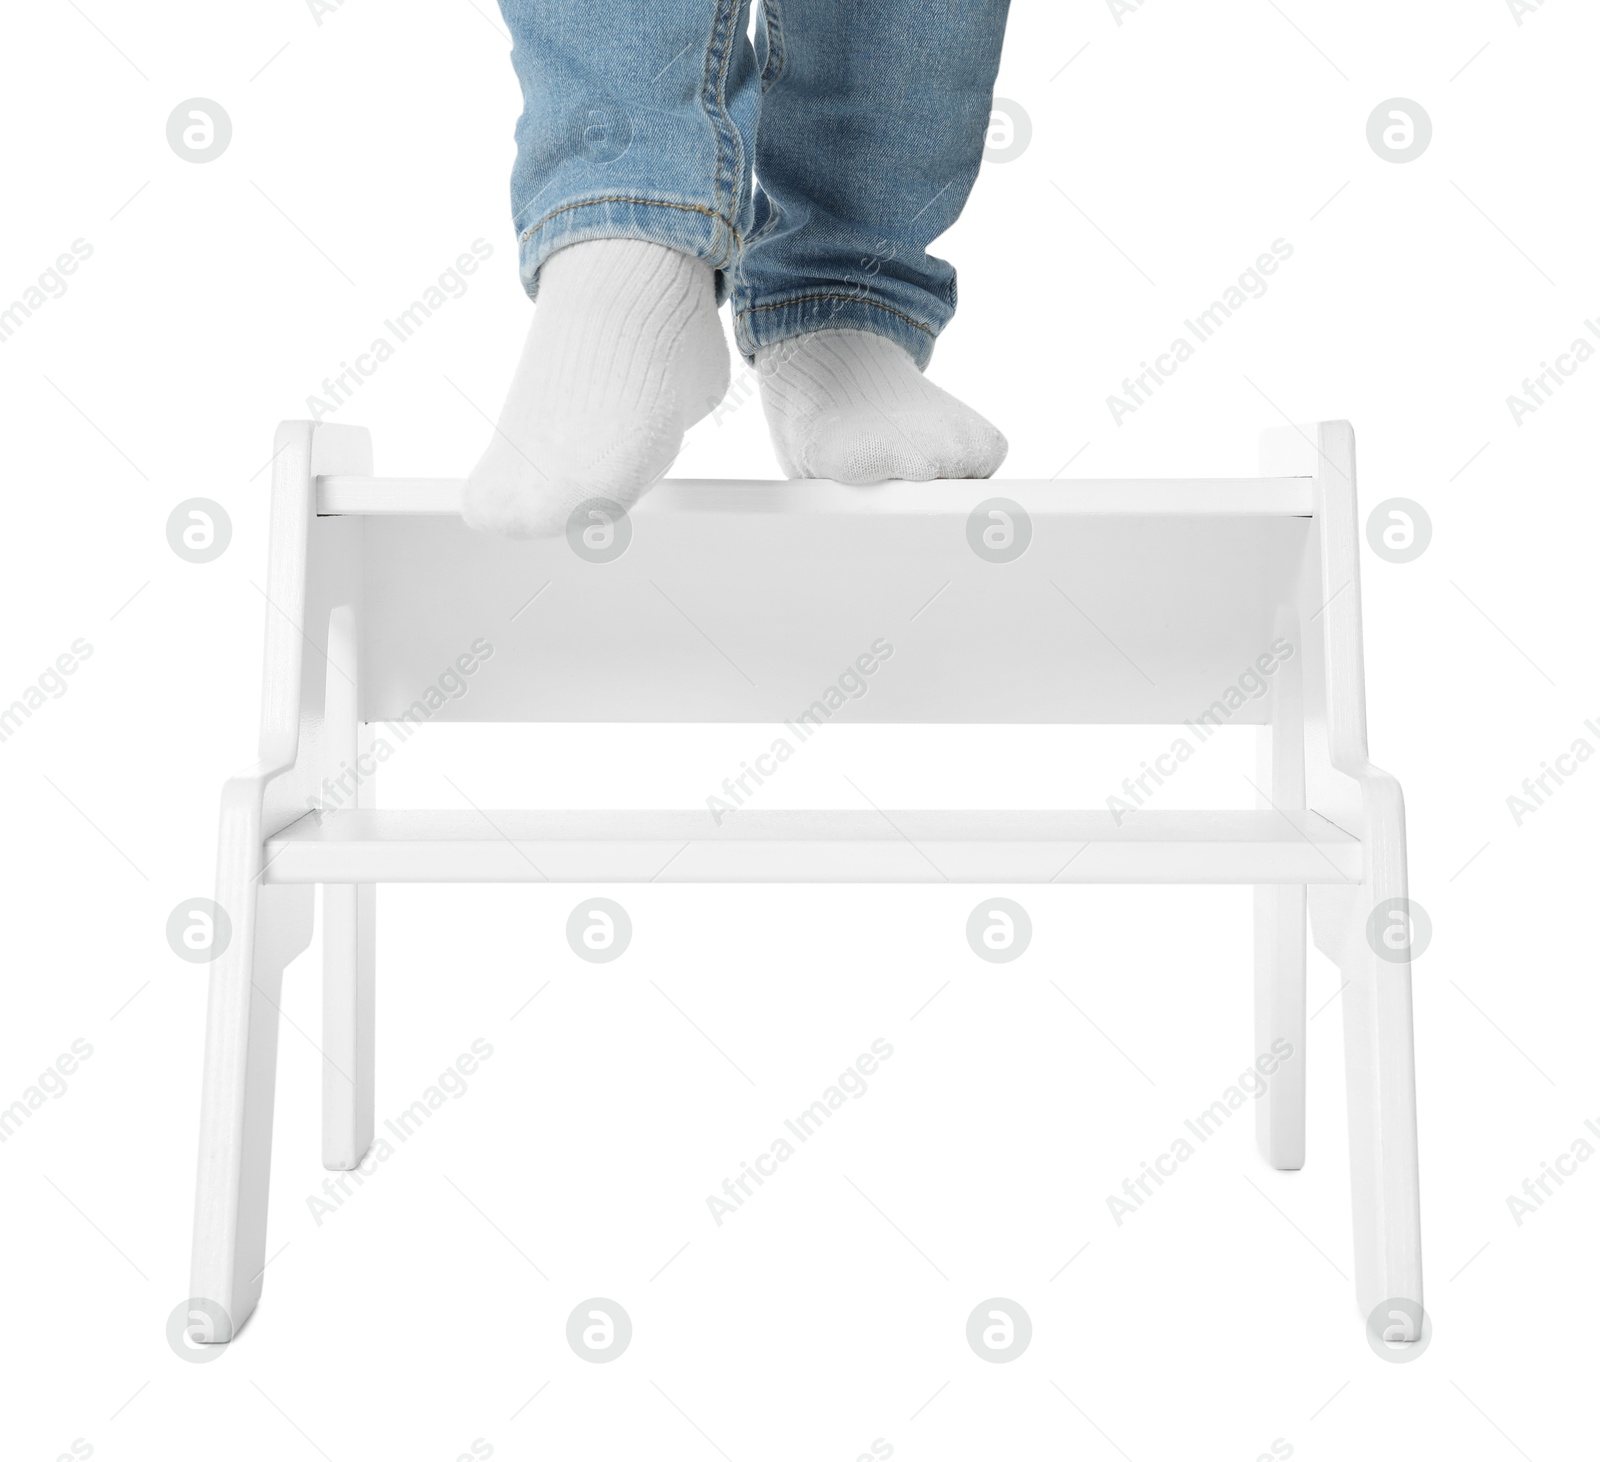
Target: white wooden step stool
{"x": 375, "y": 584}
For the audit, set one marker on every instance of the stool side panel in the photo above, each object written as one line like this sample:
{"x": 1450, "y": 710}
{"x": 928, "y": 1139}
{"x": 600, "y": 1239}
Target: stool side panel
{"x": 1345, "y": 787}
{"x": 314, "y": 567}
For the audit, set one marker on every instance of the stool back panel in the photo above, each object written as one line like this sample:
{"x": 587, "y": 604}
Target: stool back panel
{"x": 758, "y": 617}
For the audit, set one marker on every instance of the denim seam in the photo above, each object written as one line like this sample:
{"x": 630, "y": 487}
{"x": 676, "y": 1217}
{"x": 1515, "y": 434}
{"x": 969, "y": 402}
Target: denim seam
{"x": 729, "y": 45}
{"x": 848, "y": 298}
{"x": 705, "y": 92}
{"x": 646, "y": 202}
{"x": 713, "y": 99}
{"x": 776, "y": 55}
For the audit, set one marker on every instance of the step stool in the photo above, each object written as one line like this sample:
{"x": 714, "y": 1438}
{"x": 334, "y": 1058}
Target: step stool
{"x": 1129, "y": 602}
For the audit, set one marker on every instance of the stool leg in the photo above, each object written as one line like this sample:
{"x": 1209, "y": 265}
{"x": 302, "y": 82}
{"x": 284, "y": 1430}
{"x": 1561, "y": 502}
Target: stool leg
{"x": 1280, "y": 923}
{"x": 272, "y": 926}
{"x": 349, "y": 932}
{"x": 349, "y": 918}
{"x": 1380, "y": 1079}
{"x": 1280, "y": 946}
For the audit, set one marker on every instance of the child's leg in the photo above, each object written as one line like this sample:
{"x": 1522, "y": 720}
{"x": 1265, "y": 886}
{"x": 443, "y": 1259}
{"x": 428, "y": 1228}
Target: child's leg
{"x": 871, "y": 133}
{"x": 631, "y": 194}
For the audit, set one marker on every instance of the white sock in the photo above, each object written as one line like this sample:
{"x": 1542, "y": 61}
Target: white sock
{"x": 852, "y": 406}
{"x": 625, "y": 354}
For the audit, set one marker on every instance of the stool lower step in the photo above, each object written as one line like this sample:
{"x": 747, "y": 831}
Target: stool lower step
{"x": 382, "y": 846}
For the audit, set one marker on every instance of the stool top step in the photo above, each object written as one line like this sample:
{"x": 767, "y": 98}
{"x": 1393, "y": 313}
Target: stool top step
{"x": 1278, "y": 497}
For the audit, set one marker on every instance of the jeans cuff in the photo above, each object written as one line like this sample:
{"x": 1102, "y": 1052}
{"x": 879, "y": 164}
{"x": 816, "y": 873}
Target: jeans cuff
{"x": 690, "y": 228}
{"x": 767, "y": 324}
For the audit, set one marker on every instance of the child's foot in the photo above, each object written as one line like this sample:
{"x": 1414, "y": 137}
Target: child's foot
{"x": 851, "y": 405}
{"x": 625, "y": 354}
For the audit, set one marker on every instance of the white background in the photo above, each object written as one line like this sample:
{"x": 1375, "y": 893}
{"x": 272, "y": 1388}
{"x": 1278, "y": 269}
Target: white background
{"x": 1167, "y": 152}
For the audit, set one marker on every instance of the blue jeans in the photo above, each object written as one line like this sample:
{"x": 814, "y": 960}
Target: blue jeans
{"x": 864, "y": 121}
